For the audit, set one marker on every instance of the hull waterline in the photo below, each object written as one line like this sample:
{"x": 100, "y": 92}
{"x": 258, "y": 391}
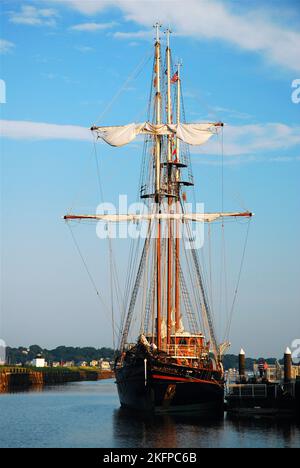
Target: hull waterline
{"x": 162, "y": 392}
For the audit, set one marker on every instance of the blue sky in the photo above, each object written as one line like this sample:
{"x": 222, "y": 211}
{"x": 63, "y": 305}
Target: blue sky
{"x": 64, "y": 63}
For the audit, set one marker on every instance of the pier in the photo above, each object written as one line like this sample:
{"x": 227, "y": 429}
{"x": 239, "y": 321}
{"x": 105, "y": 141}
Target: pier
{"x": 14, "y": 378}
{"x": 270, "y": 393}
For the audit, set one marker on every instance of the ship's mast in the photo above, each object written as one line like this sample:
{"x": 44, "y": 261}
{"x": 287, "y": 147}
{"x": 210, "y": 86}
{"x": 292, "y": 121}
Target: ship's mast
{"x": 170, "y": 199}
{"x": 177, "y": 241}
{"x": 157, "y": 182}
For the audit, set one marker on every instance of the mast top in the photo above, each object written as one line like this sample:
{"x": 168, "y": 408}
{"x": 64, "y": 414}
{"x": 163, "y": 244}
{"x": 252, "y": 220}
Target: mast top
{"x": 168, "y": 32}
{"x": 157, "y": 27}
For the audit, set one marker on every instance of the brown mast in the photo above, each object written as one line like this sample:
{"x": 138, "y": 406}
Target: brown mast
{"x": 170, "y": 199}
{"x": 177, "y": 241}
{"x": 157, "y": 184}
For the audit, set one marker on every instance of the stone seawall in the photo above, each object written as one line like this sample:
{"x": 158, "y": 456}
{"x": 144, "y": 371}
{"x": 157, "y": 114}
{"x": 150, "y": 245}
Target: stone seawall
{"x": 18, "y": 378}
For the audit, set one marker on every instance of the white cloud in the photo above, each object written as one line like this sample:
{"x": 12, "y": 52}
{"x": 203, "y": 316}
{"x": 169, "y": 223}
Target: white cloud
{"x": 251, "y": 29}
{"x": 32, "y": 16}
{"x": 84, "y": 49}
{"x": 26, "y": 130}
{"x": 233, "y": 113}
{"x": 244, "y": 159}
{"x": 133, "y": 35}
{"x": 252, "y": 139}
{"x": 87, "y": 7}
{"x": 283, "y": 159}
{"x": 92, "y": 27}
{"x": 241, "y": 143}
{"x": 6, "y": 46}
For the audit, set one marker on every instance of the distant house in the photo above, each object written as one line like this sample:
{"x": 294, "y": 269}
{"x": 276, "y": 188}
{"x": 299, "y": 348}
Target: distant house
{"x": 69, "y": 364}
{"x": 39, "y": 361}
{"x": 94, "y": 363}
{"x": 104, "y": 365}
{"x": 275, "y": 372}
{"x": 56, "y": 364}
{"x": 82, "y": 364}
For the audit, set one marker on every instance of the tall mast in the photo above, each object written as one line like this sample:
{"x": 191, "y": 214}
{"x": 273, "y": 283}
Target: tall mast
{"x": 157, "y": 183}
{"x": 177, "y": 241}
{"x": 157, "y": 113}
{"x": 178, "y": 109}
{"x": 169, "y": 173}
{"x": 169, "y": 102}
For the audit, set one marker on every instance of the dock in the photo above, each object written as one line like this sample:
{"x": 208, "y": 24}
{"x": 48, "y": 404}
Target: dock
{"x": 267, "y": 394}
{"x": 13, "y": 378}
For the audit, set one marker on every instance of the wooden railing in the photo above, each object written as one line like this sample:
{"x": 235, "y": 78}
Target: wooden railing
{"x": 184, "y": 351}
{"x": 15, "y": 370}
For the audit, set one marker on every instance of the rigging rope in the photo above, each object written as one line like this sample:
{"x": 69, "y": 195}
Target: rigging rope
{"x": 111, "y": 259}
{"x": 87, "y": 269}
{"x": 130, "y": 78}
{"x": 238, "y": 283}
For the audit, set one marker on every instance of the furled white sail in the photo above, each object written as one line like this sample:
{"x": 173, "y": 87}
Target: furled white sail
{"x": 119, "y": 135}
{"x": 193, "y": 134}
{"x": 200, "y": 217}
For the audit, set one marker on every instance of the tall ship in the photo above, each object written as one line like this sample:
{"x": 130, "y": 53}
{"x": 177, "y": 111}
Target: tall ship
{"x": 168, "y": 358}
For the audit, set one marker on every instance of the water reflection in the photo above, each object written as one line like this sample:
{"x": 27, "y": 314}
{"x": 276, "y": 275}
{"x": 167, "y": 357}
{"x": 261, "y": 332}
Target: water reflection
{"x": 87, "y": 414}
{"x": 269, "y": 429}
{"x": 166, "y": 430}
{"x": 18, "y": 389}
{"x": 169, "y": 431}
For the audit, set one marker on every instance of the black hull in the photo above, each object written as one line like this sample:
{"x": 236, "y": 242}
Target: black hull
{"x": 162, "y": 391}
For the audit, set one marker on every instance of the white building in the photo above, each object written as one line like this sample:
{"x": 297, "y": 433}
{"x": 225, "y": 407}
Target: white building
{"x": 94, "y": 363}
{"x": 56, "y": 364}
{"x": 82, "y": 364}
{"x": 68, "y": 364}
{"x": 104, "y": 365}
{"x": 2, "y": 353}
{"x": 39, "y": 361}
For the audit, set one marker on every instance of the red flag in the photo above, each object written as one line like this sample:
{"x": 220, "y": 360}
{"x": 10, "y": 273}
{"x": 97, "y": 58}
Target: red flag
{"x": 174, "y": 78}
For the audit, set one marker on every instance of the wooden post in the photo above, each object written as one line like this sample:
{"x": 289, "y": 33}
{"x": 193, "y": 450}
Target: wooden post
{"x": 242, "y": 365}
{"x": 287, "y": 365}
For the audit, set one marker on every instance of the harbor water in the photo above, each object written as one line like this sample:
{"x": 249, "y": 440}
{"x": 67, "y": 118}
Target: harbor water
{"x": 87, "y": 414}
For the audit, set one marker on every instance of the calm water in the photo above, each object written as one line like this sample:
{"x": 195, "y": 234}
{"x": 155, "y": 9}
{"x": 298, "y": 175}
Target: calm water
{"x": 87, "y": 414}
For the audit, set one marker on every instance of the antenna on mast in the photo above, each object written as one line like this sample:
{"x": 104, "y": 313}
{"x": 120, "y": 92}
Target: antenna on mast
{"x": 157, "y": 27}
{"x": 168, "y": 31}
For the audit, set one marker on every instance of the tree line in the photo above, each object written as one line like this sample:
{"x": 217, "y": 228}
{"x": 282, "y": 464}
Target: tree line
{"x": 21, "y": 355}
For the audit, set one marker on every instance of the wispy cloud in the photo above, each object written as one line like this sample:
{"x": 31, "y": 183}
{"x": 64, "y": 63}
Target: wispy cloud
{"x": 33, "y": 16}
{"x": 55, "y": 76}
{"x": 233, "y": 113}
{"x": 284, "y": 159}
{"x": 26, "y": 130}
{"x": 6, "y": 46}
{"x": 253, "y": 139}
{"x": 250, "y": 29}
{"x": 245, "y": 159}
{"x": 84, "y": 49}
{"x": 49, "y": 76}
{"x": 133, "y": 35}
{"x": 92, "y": 27}
{"x": 87, "y": 7}
{"x": 243, "y": 143}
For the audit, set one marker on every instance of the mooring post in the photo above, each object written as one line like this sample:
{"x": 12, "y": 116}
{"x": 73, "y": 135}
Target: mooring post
{"x": 242, "y": 365}
{"x": 287, "y": 360}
